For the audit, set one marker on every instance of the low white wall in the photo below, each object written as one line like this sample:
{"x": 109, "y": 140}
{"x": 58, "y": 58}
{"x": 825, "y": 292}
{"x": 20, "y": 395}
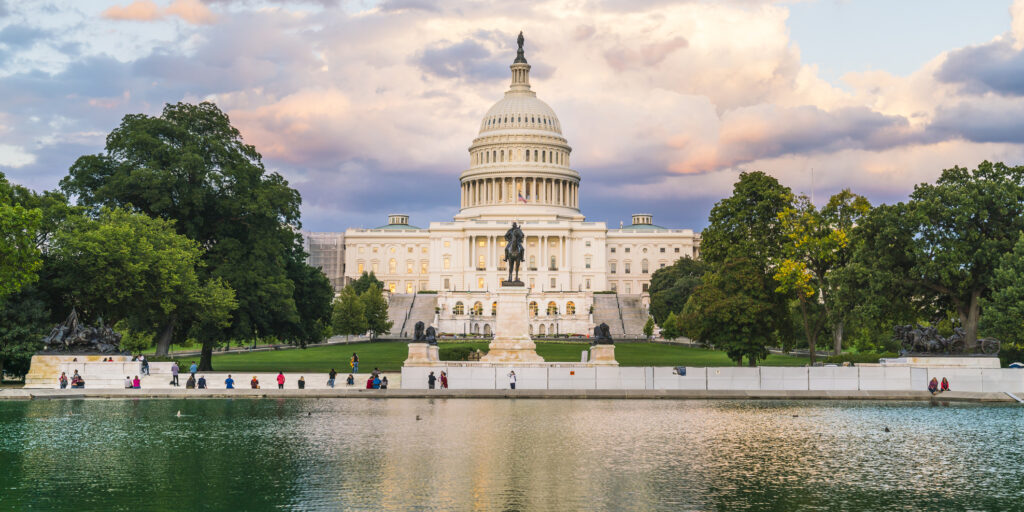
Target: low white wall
{"x": 734, "y": 378}
{"x": 880, "y": 378}
{"x": 785, "y": 378}
{"x": 833, "y": 378}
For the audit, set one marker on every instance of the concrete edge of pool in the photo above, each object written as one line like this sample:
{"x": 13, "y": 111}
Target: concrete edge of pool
{"x": 59, "y": 394}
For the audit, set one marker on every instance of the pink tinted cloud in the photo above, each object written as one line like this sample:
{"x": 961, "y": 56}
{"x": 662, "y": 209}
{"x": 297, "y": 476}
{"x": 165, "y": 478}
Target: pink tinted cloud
{"x": 191, "y": 11}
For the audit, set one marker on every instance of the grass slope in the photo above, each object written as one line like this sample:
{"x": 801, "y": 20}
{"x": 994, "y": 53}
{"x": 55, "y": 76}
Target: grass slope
{"x": 389, "y": 357}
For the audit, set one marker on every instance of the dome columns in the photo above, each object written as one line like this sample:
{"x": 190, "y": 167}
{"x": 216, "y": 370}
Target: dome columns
{"x": 532, "y": 190}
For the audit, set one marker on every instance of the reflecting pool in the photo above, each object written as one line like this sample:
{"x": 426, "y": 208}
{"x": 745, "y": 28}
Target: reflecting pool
{"x": 397, "y": 454}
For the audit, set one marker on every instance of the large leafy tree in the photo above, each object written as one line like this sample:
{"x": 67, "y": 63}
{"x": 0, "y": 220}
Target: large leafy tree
{"x": 365, "y": 282}
{"x": 745, "y": 227}
{"x": 946, "y": 242}
{"x": 129, "y": 266}
{"x": 729, "y": 308}
{"x": 818, "y": 246}
{"x": 1004, "y": 310}
{"x": 671, "y": 287}
{"x": 376, "y": 309}
{"x": 191, "y": 166}
{"x": 20, "y": 258}
{"x": 349, "y": 315}
{"x": 24, "y": 320}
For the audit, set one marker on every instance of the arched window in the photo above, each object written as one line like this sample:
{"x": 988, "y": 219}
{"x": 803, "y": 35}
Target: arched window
{"x": 533, "y": 308}
{"x": 540, "y": 329}
{"x": 570, "y": 308}
{"x": 478, "y": 308}
{"x": 392, "y": 266}
{"x": 459, "y": 309}
{"x": 552, "y": 308}
{"x": 494, "y": 308}
{"x": 487, "y": 329}
{"x": 643, "y": 267}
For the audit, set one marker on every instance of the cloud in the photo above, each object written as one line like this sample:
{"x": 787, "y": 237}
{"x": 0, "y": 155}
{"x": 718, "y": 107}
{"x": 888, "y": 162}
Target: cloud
{"x": 994, "y": 67}
{"x": 21, "y": 36}
{"x": 15, "y": 156}
{"x": 191, "y": 11}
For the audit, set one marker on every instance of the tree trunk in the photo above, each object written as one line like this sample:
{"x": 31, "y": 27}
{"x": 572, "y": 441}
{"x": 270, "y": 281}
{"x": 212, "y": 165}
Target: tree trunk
{"x": 206, "y": 356}
{"x": 751, "y": 361}
{"x": 837, "y": 337}
{"x": 163, "y": 342}
{"x": 812, "y": 337}
{"x": 970, "y": 323}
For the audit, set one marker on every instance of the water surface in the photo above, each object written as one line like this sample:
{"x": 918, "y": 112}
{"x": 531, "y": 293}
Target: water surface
{"x": 447, "y": 454}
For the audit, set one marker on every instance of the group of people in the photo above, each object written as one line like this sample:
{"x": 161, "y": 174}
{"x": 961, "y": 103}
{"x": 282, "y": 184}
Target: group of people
{"x": 77, "y": 382}
{"x": 432, "y": 380}
{"x": 935, "y": 387}
{"x": 375, "y": 381}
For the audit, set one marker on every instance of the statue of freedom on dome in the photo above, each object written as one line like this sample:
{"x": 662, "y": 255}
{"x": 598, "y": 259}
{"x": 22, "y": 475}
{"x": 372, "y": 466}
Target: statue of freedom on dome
{"x": 514, "y": 253}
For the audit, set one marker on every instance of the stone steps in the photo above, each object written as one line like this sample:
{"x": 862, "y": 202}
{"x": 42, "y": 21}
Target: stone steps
{"x": 606, "y": 310}
{"x": 422, "y": 311}
{"x": 634, "y": 316}
{"x": 398, "y": 309}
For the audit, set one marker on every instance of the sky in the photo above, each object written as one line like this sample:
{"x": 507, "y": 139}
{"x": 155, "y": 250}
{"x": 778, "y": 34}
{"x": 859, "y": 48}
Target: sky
{"x": 368, "y": 107}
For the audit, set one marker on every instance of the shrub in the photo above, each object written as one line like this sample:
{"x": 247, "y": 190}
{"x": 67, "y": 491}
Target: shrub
{"x": 455, "y": 353}
{"x": 862, "y": 357}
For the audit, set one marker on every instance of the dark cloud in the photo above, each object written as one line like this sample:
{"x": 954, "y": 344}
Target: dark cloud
{"x": 20, "y": 36}
{"x": 410, "y": 5}
{"x": 980, "y": 121}
{"x": 4, "y": 10}
{"x": 469, "y": 60}
{"x": 993, "y": 67}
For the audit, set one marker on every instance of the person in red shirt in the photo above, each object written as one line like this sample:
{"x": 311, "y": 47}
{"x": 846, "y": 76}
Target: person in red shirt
{"x": 369, "y": 383}
{"x": 280, "y": 380}
{"x": 444, "y": 380}
{"x": 945, "y": 385}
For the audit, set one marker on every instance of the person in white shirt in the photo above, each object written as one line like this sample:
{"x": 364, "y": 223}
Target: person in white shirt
{"x": 512, "y": 379}
{"x": 128, "y": 382}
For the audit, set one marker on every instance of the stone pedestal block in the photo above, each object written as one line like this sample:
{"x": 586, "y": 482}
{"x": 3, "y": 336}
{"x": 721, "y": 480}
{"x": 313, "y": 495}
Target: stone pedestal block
{"x": 603, "y": 355}
{"x": 512, "y": 342}
{"x": 422, "y": 354}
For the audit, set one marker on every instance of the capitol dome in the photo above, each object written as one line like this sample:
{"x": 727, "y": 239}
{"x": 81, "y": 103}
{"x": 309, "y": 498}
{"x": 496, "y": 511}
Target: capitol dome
{"x": 519, "y": 161}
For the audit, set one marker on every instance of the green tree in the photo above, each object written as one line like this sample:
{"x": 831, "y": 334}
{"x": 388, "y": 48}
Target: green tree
{"x": 746, "y": 227}
{"x": 349, "y": 315}
{"x": 670, "y": 327}
{"x": 649, "y": 328}
{"x": 128, "y": 266}
{"x": 818, "y": 246}
{"x": 191, "y": 166}
{"x": 729, "y": 308}
{"x": 376, "y": 310}
{"x": 23, "y": 323}
{"x": 20, "y": 258}
{"x": 365, "y": 282}
{"x": 671, "y": 286}
{"x": 947, "y": 240}
{"x": 313, "y": 296}
{"x": 1004, "y": 310}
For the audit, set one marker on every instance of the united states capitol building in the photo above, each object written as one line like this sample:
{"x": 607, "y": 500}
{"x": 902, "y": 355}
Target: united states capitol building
{"x": 578, "y": 273}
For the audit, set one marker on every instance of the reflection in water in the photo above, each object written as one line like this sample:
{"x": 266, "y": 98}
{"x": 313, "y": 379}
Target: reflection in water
{"x": 508, "y": 455}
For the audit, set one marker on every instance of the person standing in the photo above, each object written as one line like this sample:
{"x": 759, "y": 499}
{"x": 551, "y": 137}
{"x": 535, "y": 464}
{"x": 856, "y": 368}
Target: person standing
{"x": 63, "y": 380}
{"x": 145, "y": 365}
{"x": 354, "y": 362}
{"x": 431, "y": 379}
{"x": 375, "y": 372}
{"x": 174, "y": 373}
{"x": 280, "y": 380}
{"x": 512, "y": 379}
{"x": 302, "y": 382}
{"x": 444, "y": 380}
{"x": 193, "y": 368}
{"x": 330, "y": 377}
{"x": 229, "y": 382}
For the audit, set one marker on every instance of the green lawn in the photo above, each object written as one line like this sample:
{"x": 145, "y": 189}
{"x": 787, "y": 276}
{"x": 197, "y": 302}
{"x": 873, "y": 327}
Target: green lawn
{"x": 388, "y": 356}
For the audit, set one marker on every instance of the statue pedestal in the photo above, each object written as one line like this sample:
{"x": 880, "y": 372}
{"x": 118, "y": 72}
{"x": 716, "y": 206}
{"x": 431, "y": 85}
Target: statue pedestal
{"x": 603, "y": 355}
{"x": 422, "y": 354}
{"x": 512, "y": 342}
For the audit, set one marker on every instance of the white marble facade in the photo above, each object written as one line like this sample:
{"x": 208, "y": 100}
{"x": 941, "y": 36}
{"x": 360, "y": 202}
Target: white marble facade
{"x": 519, "y": 171}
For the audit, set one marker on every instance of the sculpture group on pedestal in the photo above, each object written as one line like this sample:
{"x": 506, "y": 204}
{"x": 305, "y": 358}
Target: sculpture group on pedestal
{"x": 71, "y": 336}
{"x": 421, "y": 335}
{"x": 602, "y": 335}
{"x": 927, "y": 340}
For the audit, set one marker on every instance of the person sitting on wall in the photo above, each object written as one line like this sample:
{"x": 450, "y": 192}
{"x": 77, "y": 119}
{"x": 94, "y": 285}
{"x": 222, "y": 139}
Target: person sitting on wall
{"x": 933, "y": 386}
{"x": 191, "y": 382}
{"x": 945, "y": 385}
{"x": 201, "y": 383}
{"x": 254, "y": 383}
{"x": 136, "y": 383}
{"x": 350, "y": 381}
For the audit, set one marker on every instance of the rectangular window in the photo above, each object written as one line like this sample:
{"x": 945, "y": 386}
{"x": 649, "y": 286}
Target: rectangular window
{"x": 481, "y": 263}
{"x": 629, "y": 287}
{"x": 408, "y": 268}
{"x": 588, "y": 287}
{"x": 375, "y": 250}
{"x": 645, "y": 291}
{"x": 613, "y": 250}
{"x": 423, "y": 267}
{"x": 391, "y": 287}
{"x": 447, "y": 262}
{"x": 408, "y": 289}
{"x": 625, "y": 267}
{"x": 361, "y": 249}
{"x": 627, "y": 249}
{"x": 662, "y": 249}
{"x": 612, "y": 266}
{"x": 447, "y": 283}
{"x": 447, "y": 243}
{"x": 553, "y": 283}
{"x": 613, "y": 287}
{"x": 410, "y": 249}
{"x": 662, "y": 265}
{"x": 587, "y": 243}
{"x": 480, "y": 283}
{"x": 376, "y": 269}
{"x": 361, "y": 269}
{"x": 424, "y": 249}
{"x": 482, "y": 243}
{"x": 677, "y": 249}
{"x": 586, "y": 262}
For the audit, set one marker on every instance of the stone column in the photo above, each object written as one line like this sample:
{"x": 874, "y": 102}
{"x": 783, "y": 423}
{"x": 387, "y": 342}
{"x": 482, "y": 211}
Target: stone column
{"x": 512, "y": 343}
